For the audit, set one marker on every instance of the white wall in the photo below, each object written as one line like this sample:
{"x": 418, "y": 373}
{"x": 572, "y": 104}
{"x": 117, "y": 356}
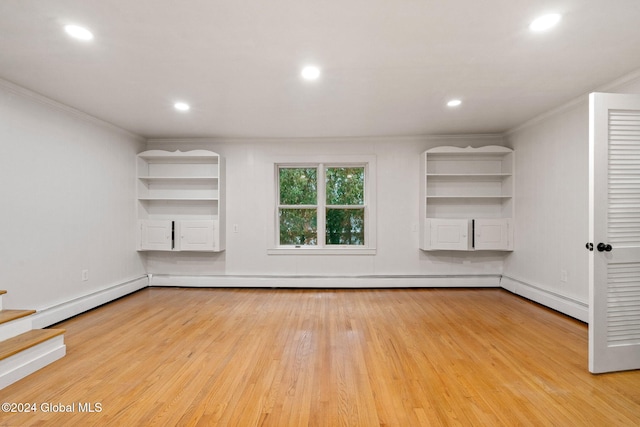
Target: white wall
{"x": 68, "y": 204}
{"x": 249, "y": 170}
{"x": 67, "y": 199}
{"x": 552, "y": 154}
{"x": 552, "y": 204}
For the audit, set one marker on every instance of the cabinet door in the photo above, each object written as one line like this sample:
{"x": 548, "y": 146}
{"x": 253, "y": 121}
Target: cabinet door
{"x": 493, "y": 234}
{"x": 155, "y": 235}
{"x": 449, "y": 234}
{"x": 192, "y": 235}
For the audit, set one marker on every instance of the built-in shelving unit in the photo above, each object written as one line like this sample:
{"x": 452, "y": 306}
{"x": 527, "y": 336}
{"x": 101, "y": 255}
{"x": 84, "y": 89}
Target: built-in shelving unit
{"x": 180, "y": 201}
{"x": 466, "y": 198}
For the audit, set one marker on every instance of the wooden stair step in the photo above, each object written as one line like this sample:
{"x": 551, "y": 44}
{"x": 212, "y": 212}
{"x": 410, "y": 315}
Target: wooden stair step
{"x": 2, "y": 292}
{"x": 9, "y": 315}
{"x": 27, "y": 340}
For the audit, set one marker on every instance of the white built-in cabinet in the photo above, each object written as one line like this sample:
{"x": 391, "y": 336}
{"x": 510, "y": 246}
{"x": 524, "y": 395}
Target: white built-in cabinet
{"x": 180, "y": 201}
{"x": 466, "y": 198}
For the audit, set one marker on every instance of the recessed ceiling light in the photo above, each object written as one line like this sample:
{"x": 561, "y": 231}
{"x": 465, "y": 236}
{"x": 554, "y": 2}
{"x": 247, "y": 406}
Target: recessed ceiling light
{"x": 545, "y": 22}
{"x": 454, "y": 103}
{"x": 310, "y": 72}
{"x": 181, "y": 106}
{"x": 78, "y": 32}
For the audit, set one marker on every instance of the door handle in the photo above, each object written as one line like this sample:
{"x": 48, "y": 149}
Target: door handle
{"x": 604, "y": 247}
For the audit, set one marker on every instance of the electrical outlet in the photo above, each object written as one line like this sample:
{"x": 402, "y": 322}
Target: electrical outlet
{"x": 85, "y": 275}
{"x": 563, "y": 275}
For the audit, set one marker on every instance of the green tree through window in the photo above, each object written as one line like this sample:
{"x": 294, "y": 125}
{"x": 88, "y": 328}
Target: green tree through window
{"x": 341, "y": 212}
{"x": 298, "y": 213}
{"x": 345, "y": 206}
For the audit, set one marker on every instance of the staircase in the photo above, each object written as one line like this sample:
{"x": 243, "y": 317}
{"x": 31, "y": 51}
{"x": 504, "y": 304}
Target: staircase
{"x": 24, "y": 350}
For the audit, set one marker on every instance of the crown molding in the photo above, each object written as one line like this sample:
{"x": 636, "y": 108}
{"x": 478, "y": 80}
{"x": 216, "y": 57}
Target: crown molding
{"x": 363, "y": 139}
{"x": 618, "y": 83}
{"x": 576, "y": 102}
{"x": 41, "y": 99}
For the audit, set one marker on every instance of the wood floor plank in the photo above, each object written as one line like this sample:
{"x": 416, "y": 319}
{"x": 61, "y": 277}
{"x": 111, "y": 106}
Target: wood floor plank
{"x": 282, "y": 357}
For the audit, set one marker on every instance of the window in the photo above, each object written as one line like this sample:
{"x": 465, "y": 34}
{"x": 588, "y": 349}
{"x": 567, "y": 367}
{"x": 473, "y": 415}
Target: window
{"x": 324, "y": 207}
{"x": 298, "y": 206}
{"x": 344, "y": 211}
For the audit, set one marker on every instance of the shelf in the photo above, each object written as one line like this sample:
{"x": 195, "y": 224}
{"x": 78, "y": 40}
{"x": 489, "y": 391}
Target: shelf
{"x": 179, "y": 199}
{"x": 469, "y": 175}
{"x": 464, "y": 186}
{"x": 469, "y": 197}
{"x": 475, "y": 152}
{"x": 179, "y": 178}
{"x": 196, "y": 156}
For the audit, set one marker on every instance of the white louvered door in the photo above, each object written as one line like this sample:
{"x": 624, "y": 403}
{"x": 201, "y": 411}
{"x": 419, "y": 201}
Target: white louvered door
{"x": 614, "y": 230}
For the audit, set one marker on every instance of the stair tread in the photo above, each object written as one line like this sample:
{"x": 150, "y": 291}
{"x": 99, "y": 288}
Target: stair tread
{"x": 9, "y": 315}
{"x": 2, "y": 292}
{"x": 26, "y": 340}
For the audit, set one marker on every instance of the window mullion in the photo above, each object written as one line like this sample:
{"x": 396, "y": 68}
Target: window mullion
{"x": 345, "y": 206}
{"x": 322, "y": 200}
{"x": 297, "y": 206}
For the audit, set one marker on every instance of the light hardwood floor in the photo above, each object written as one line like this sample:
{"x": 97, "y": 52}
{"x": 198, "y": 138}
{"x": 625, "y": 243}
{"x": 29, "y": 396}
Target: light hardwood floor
{"x": 278, "y": 357}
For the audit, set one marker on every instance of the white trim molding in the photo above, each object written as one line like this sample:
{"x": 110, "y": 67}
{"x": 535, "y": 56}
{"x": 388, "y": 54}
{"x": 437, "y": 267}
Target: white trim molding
{"x": 562, "y": 303}
{"x": 581, "y": 100}
{"x": 57, "y": 313}
{"x": 497, "y": 138}
{"x": 52, "y": 103}
{"x": 343, "y": 250}
{"x": 329, "y": 282}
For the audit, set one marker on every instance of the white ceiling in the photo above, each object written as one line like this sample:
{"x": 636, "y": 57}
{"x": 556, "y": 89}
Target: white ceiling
{"x": 388, "y": 66}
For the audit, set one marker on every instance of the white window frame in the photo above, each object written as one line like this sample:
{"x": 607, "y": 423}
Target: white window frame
{"x": 321, "y": 163}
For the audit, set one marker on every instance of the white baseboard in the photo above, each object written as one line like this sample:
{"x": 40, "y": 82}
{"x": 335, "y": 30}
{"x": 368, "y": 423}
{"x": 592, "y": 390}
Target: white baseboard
{"x": 562, "y": 303}
{"x": 49, "y": 316}
{"x": 227, "y": 281}
{"x": 28, "y": 361}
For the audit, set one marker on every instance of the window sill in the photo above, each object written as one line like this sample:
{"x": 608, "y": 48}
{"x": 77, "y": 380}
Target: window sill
{"x": 321, "y": 251}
